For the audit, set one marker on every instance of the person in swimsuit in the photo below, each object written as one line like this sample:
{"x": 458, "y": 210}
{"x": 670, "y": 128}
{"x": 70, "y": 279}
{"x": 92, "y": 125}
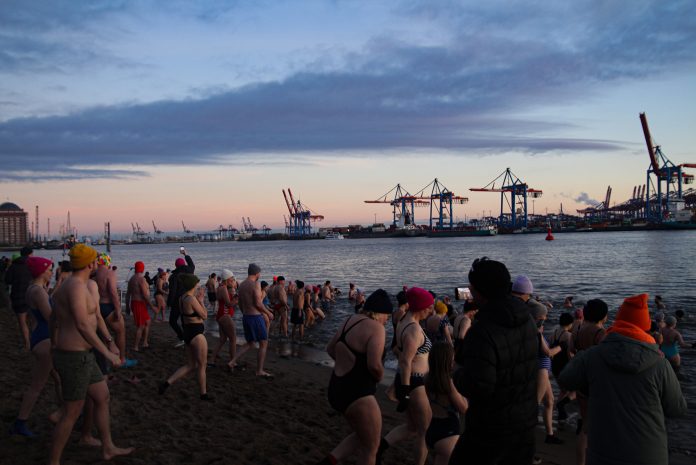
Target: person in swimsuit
{"x": 590, "y": 333}
{"x": 37, "y": 299}
{"x": 561, "y": 338}
{"x": 297, "y": 313}
{"x": 672, "y": 340}
{"x": 445, "y": 402}
{"x": 327, "y": 297}
{"x": 308, "y": 309}
{"x": 110, "y": 304}
{"x": 539, "y": 312}
{"x": 357, "y": 351}
{"x": 437, "y": 325}
{"x": 138, "y": 299}
{"x": 266, "y": 303}
{"x": 193, "y": 313}
{"x": 413, "y": 347}
{"x": 76, "y": 312}
{"x": 462, "y": 323}
{"x": 279, "y": 304}
{"x": 226, "y": 299}
{"x": 351, "y": 292}
{"x": 252, "y": 307}
{"x": 161, "y": 293}
{"x": 210, "y": 287}
{"x": 395, "y": 318}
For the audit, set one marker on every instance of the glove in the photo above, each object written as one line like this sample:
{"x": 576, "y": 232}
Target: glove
{"x": 403, "y": 395}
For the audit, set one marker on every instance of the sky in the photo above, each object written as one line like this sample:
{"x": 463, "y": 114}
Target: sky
{"x": 204, "y": 111}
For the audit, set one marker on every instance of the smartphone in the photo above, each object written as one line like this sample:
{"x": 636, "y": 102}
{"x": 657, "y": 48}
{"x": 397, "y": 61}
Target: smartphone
{"x": 182, "y": 248}
{"x": 462, "y": 293}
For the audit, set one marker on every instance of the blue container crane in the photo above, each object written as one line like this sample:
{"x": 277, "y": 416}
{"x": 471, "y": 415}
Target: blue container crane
{"x": 513, "y": 199}
{"x": 441, "y": 201}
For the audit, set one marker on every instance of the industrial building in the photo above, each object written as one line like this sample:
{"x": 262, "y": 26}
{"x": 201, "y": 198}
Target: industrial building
{"x": 13, "y": 225}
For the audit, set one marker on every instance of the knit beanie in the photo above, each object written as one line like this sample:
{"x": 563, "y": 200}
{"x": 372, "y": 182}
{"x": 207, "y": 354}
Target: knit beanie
{"x": 226, "y": 274}
{"x": 179, "y": 262}
{"x": 522, "y": 285}
{"x": 418, "y": 299}
{"x": 379, "y": 302}
{"x": 38, "y": 265}
{"x": 81, "y": 255}
{"x": 633, "y": 319}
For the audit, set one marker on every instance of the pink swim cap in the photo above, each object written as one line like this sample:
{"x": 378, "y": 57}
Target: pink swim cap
{"x": 180, "y": 262}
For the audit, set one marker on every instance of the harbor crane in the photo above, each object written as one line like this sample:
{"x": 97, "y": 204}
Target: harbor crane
{"x": 667, "y": 199}
{"x": 301, "y": 217}
{"x": 513, "y": 199}
{"x": 157, "y": 231}
{"x": 138, "y": 233}
{"x": 599, "y": 210}
{"x": 402, "y": 204}
{"x": 441, "y": 201}
{"x": 186, "y": 230}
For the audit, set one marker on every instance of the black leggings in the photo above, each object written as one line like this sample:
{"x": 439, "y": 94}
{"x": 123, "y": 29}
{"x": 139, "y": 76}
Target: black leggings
{"x": 174, "y": 323}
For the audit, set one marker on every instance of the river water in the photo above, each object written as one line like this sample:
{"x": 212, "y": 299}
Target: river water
{"x": 610, "y": 266}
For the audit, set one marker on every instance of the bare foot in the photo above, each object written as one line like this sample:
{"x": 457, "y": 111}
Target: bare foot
{"x": 89, "y": 441}
{"x": 116, "y": 451}
{"x": 264, "y": 374}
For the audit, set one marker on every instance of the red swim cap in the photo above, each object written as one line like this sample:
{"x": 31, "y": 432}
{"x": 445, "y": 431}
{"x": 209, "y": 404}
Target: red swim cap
{"x": 180, "y": 262}
{"x": 139, "y": 267}
{"x": 418, "y": 299}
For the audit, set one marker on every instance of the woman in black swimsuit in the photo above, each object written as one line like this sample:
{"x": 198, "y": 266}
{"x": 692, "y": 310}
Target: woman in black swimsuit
{"x": 357, "y": 349}
{"x": 412, "y": 347}
{"x": 446, "y": 403}
{"x": 193, "y": 313}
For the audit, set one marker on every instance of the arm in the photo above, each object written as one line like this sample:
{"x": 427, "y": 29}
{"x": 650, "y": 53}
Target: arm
{"x": 145, "y": 292}
{"x": 673, "y": 403}
{"x": 258, "y": 302}
{"x": 331, "y": 348}
{"x": 198, "y": 308}
{"x": 113, "y": 292}
{"x": 128, "y": 297}
{"x": 190, "y": 267}
{"x": 409, "y": 345}
{"x": 458, "y": 401}
{"x": 375, "y": 349}
{"x": 448, "y": 334}
{"x": 545, "y": 347}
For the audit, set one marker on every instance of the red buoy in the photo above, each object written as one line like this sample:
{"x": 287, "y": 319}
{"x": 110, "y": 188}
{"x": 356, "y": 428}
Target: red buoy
{"x": 549, "y": 236}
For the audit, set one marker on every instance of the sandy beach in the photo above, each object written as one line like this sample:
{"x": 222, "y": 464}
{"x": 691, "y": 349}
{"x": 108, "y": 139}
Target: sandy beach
{"x": 286, "y": 420}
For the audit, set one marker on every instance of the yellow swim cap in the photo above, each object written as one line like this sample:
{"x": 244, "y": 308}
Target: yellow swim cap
{"x": 440, "y": 307}
{"x": 82, "y": 255}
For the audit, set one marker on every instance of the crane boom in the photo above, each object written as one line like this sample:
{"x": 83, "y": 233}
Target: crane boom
{"x": 649, "y": 143}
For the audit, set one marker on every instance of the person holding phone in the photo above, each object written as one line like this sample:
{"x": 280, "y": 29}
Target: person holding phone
{"x": 182, "y": 265}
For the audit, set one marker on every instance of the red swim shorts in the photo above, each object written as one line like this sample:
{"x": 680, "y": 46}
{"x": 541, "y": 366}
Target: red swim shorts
{"x": 140, "y": 315}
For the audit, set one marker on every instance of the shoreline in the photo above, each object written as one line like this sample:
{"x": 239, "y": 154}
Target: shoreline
{"x": 281, "y": 421}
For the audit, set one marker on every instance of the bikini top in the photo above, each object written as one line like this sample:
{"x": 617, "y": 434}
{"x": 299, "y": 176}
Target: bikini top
{"x": 424, "y": 348}
{"x": 189, "y": 315}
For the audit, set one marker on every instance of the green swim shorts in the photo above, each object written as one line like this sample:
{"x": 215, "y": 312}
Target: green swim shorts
{"x": 78, "y": 370}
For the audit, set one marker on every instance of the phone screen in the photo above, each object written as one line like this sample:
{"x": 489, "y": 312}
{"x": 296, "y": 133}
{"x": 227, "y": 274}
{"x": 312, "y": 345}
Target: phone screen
{"x": 182, "y": 248}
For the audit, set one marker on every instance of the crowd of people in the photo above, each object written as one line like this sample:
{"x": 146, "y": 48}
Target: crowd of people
{"x": 469, "y": 383}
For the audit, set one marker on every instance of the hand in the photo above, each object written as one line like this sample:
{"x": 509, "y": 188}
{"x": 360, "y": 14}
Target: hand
{"x": 113, "y": 348}
{"x": 114, "y": 359}
{"x": 182, "y": 251}
{"x": 271, "y": 316}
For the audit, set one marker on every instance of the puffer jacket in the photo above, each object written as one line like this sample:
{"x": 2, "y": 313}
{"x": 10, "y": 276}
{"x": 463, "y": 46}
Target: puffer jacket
{"x": 174, "y": 291}
{"x": 498, "y": 369}
{"x": 631, "y": 389}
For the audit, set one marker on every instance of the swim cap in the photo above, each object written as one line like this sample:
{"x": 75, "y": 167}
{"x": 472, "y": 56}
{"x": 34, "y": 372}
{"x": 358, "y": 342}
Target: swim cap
{"x": 226, "y": 274}
{"x": 179, "y": 262}
{"x": 82, "y": 255}
{"x": 379, "y": 302}
{"x": 38, "y": 265}
{"x": 522, "y": 285}
{"x": 418, "y": 299}
{"x": 139, "y": 267}
{"x": 103, "y": 259}
{"x": 440, "y": 307}
{"x": 537, "y": 309}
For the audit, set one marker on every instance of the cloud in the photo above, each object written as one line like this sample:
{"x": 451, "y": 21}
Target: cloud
{"x": 586, "y": 199}
{"x": 67, "y": 173}
{"x": 455, "y": 93}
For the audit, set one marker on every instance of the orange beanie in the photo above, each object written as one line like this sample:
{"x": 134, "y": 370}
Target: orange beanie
{"x": 635, "y": 310}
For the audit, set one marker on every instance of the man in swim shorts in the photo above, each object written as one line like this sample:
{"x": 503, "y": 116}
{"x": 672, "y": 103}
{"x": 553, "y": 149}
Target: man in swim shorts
{"x": 138, "y": 298}
{"x": 251, "y": 304}
{"x": 110, "y": 304}
{"x": 326, "y": 296}
{"x": 297, "y": 313}
{"x": 75, "y": 310}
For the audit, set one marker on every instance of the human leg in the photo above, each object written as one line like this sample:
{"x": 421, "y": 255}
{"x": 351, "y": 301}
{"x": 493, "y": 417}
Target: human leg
{"x": 199, "y": 347}
{"x": 146, "y": 334}
{"x": 62, "y": 430}
{"x": 443, "y": 450}
{"x": 24, "y": 329}
{"x": 40, "y": 373}
{"x": 99, "y": 393}
{"x": 174, "y": 323}
{"x": 118, "y": 326}
{"x": 184, "y": 370}
{"x": 365, "y": 419}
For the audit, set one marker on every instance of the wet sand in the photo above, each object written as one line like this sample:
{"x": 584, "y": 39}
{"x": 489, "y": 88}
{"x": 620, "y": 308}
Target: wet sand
{"x": 286, "y": 420}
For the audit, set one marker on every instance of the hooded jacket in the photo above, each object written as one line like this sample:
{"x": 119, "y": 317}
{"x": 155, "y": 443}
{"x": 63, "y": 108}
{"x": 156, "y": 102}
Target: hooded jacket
{"x": 498, "y": 369}
{"x": 631, "y": 390}
{"x": 19, "y": 277}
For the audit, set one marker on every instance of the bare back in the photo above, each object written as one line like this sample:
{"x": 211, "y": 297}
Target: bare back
{"x": 106, "y": 284}
{"x": 74, "y": 305}
{"x": 138, "y": 289}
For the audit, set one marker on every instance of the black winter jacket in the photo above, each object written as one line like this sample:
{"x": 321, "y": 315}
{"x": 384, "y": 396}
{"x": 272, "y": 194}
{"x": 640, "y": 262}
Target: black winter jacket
{"x": 19, "y": 277}
{"x": 498, "y": 369}
{"x": 173, "y": 297}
